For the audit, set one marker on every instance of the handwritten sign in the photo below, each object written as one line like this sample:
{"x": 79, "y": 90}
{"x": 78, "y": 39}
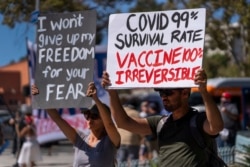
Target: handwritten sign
{"x": 155, "y": 49}
{"x": 65, "y": 59}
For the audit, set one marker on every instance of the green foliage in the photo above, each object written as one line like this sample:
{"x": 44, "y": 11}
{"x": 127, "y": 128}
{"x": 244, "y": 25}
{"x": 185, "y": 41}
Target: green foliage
{"x": 219, "y": 17}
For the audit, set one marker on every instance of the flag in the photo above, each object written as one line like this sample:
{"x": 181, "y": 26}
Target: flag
{"x": 31, "y": 53}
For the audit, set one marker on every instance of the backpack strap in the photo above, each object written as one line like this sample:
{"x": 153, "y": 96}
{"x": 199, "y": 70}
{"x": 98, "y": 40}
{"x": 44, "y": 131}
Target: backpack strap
{"x": 199, "y": 139}
{"x": 161, "y": 123}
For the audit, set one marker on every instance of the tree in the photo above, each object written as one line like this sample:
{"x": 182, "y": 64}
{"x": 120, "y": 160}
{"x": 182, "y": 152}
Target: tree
{"x": 220, "y": 15}
{"x": 233, "y": 40}
{"x": 21, "y": 10}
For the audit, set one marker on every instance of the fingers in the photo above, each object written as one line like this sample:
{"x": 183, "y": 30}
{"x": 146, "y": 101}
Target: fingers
{"x": 34, "y": 90}
{"x": 91, "y": 89}
{"x": 200, "y": 77}
{"x": 105, "y": 80}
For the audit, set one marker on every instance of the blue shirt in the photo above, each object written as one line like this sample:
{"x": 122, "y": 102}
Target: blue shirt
{"x": 102, "y": 155}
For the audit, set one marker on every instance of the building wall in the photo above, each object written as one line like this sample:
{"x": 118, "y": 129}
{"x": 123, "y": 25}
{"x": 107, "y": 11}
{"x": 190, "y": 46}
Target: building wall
{"x": 13, "y": 78}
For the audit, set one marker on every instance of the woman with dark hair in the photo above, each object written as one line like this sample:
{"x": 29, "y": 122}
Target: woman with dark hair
{"x": 99, "y": 147}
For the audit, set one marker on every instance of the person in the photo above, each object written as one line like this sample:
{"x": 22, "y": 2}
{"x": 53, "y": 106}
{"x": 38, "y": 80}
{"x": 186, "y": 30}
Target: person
{"x": 143, "y": 108}
{"x": 176, "y": 147}
{"x": 128, "y": 153}
{"x": 230, "y": 115}
{"x": 150, "y": 141}
{"x": 97, "y": 148}
{"x": 1, "y": 136}
{"x": 17, "y": 141}
{"x": 30, "y": 152}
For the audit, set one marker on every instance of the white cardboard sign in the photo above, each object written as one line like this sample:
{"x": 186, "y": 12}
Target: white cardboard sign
{"x": 155, "y": 49}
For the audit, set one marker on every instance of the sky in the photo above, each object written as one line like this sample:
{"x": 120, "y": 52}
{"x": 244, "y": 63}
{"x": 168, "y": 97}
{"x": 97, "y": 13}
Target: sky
{"x": 13, "y": 41}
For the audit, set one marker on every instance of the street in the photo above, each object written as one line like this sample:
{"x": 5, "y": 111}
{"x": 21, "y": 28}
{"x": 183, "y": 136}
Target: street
{"x": 62, "y": 156}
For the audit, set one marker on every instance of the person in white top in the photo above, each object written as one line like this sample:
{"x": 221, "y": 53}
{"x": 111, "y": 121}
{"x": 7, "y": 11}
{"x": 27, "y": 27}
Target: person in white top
{"x": 230, "y": 115}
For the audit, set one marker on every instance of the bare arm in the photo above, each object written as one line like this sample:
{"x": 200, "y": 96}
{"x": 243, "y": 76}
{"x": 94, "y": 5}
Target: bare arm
{"x": 23, "y": 132}
{"x": 68, "y": 131}
{"x": 105, "y": 116}
{"x": 214, "y": 123}
{"x": 134, "y": 125}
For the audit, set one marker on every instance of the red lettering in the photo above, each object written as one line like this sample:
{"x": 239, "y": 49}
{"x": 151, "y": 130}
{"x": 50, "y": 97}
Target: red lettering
{"x": 119, "y": 74}
{"x": 157, "y": 78}
{"x": 176, "y": 53}
{"x": 194, "y": 71}
{"x": 120, "y": 62}
{"x": 147, "y": 58}
{"x": 141, "y": 72}
{"x": 128, "y": 76}
{"x": 140, "y": 59}
{"x": 200, "y": 53}
{"x": 167, "y": 57}
{"x": 149, "y": 75}
{"x": 192, "y": 55}
{"x": 135, "y": 75}
{"x": 171, "y": 72}
{"x": 177, "y": 74}
{"x": 132, "y": 60}
{"x": 185, "y": 73}
{"x": 157, "y": 60}
{"x": 164, "y": 75}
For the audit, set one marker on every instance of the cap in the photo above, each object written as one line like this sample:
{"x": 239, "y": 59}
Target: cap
{"x": 93, "y": 109}
{"x": 226, "y": 95}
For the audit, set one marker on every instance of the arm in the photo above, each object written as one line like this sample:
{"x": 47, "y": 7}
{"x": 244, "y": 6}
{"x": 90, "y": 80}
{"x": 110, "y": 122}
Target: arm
{"x": 233, "y": 114}
{"x": 23, "y": 132}
{"x": 68, "y": 131}
{"x": 105, "y": 116}
{"x": 134, "y": 125}
{"x": 214, "y": 123}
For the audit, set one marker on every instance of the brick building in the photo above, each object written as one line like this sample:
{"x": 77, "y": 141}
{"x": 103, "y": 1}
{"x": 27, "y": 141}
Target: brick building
{"x": 14, "y": 85}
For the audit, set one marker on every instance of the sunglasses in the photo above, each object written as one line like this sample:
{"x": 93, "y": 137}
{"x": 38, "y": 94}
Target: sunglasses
{"x": 92, "y": 116}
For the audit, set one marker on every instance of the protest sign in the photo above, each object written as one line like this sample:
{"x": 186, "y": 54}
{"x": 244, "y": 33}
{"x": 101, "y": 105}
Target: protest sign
{"x": 155, "y": 49}
{"x": 65, "y": 59}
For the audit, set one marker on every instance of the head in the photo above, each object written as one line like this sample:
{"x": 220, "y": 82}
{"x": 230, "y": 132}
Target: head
{"x": 28, "y": 118}
{"x": 154, "y": 108}
{"x": 129, "y": 100}
{"x": 144, "y": 106}
{"x": 225, "y": 97}
{"x": 92, "y": 116}
{"x": 174, "y": 98}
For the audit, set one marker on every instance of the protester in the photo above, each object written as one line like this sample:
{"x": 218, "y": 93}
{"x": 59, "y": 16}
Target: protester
{"x": 17, "y": 142}
{"x": 99, "y": 147}
{"x": 144, "y": 108}
{"x": 30, "y": 151}
{"x": 1, "y": 136}
{"x": 150, "y": 141}
{"x": 128, "y": 153}
{"x": 230, "y": 116}
{"x": 176, "y": 145}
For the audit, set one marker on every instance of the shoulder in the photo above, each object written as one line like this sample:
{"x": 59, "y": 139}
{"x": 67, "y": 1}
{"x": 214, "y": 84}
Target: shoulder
{"x": 153, "y": 121}
{"x": 198, "y": 118}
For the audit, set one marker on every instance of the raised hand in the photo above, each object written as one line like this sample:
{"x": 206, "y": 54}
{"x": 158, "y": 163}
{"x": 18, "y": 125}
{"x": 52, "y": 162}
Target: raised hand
{"x": 201, "y": 79}
{"x": 34, "y": 90}
{"x": 91, "y": 91}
